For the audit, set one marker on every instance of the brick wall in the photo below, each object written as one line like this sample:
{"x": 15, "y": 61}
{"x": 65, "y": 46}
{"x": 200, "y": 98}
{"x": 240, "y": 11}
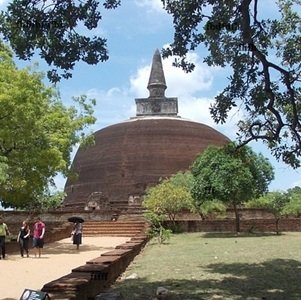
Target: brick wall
{"x": 87, "y": 281}
{"x": 254, "y": 225}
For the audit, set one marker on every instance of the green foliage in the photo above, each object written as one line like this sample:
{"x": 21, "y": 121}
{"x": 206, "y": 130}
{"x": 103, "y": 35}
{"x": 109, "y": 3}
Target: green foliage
{"x": 165, "y": 201}
{"x": 168, "y": 199}
{"x": 231, "y": 175}
{"x": 182, "y": 179}
{"x": 52, "y": 27}
{"x": 157, "y": 229}
{"x": 264, "y": 56}
{"x": 280, "y": 203}
{"x": 211, "y": 208}
{"x": 44, "y": 202}
{"x": 293, "y": 207}
{"x": 273, "y": 202}
{"x": 37, "y": 133}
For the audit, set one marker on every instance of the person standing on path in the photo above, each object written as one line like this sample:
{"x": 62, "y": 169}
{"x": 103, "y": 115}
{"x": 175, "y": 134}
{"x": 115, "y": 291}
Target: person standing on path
{"x": 23, "y": 238}
{"x": 38, "y": 236}
{"x": 3, "y": 233}
{"x": 77, "y": 234}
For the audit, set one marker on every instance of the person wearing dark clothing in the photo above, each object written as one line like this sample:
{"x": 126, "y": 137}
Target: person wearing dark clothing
{"x": 77, "y": 234}
{"x": 23, "y": 239}
{"x": 3, "y": 233}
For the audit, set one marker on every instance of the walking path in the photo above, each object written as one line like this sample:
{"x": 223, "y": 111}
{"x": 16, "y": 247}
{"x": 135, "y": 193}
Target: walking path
{"x": 58, "y": 259}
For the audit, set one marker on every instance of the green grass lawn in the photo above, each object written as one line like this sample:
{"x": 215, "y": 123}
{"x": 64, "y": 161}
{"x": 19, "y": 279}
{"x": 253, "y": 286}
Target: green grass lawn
{"x": 208, "y": 265}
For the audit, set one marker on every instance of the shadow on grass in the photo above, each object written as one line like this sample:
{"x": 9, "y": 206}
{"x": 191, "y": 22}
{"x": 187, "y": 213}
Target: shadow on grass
{"x": 239, "y": 235}
{"x": 276, "y": 279}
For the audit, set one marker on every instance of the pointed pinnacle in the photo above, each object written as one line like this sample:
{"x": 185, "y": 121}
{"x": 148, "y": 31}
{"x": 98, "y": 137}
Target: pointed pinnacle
{"x": 156, "y": 83}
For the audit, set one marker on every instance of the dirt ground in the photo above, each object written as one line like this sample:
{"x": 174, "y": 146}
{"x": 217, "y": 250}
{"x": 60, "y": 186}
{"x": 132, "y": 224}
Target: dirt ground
{"x": 57, "y": 260}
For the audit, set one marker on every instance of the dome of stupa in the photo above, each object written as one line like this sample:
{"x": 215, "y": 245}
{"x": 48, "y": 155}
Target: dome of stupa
{"x": 133, "y": 155}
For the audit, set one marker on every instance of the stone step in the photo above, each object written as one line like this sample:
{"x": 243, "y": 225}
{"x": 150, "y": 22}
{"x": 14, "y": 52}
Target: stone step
{"x": 113, "y": 228}
{"x": 94, "y": 227}
{"x": 113, "y": 233}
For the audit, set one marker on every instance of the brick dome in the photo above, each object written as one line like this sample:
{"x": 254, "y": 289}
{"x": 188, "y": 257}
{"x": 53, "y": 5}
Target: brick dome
{"x": 130, "y": 156}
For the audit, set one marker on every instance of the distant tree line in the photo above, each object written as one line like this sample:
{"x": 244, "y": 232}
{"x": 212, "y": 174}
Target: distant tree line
{"x": 221, "y": 178}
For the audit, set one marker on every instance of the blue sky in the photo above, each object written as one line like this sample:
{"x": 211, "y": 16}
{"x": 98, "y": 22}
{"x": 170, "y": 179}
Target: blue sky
{"x": 134, "y": 31}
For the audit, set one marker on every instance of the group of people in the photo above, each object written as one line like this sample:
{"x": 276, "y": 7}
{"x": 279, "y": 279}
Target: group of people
{"x": 37, "y": 237}
{"x": 23, "y": 237}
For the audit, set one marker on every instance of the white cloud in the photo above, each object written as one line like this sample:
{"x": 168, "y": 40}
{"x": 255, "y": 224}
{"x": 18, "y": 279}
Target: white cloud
{"x": 112, "y": 106}
{"x": 139, "y": 81}
{"x": 188, "y": 88}
{"x": 179, "y": 83}
{"x": 151, "y": 5}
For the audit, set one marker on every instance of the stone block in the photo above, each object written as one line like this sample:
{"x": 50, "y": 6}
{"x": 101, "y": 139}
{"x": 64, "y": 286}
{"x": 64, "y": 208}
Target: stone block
{"x": 109, "y": 296}
{"x": 105, "y": 259}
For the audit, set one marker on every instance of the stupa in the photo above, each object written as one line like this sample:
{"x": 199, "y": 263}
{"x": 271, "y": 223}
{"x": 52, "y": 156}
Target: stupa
{"x": 133, "y": 155}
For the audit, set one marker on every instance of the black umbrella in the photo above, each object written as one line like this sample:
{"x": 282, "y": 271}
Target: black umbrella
{"x": 76, "y": 220}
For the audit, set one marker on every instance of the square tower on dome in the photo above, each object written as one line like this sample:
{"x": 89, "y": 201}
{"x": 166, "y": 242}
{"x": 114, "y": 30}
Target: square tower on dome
{"x": 156, "y": 104}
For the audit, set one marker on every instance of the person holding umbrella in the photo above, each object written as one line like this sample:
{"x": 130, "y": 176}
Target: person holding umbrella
{"x": 77, "y": 230}
{"x": 77, "y": 234}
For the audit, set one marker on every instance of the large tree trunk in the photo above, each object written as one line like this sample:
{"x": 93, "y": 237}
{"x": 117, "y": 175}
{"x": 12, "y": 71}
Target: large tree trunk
{"x": 237, "y": 223}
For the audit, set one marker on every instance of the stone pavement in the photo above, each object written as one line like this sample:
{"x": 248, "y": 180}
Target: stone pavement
{"x": 58, "y": 259}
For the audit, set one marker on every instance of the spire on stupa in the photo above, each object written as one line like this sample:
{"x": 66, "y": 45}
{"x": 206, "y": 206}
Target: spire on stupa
{"x": 156, "y": 83}
{"x": 156, "y": 104}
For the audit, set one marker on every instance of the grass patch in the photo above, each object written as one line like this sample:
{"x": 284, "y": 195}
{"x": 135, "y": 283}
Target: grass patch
{"x": 204, "y": 266}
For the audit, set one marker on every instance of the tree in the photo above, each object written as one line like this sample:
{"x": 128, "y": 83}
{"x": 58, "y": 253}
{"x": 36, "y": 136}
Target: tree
{"x": 211, "y": 208}
{"x": 168, "y": 199}
{"x": 273, "y": 202}
{"x": 46, "y": 201}
{"x": 264, "y": 55}
{"x": 207, "y": 208}
{"x": 293, "y": 207}
{"x": 230, "y": 175}
{"x": 51, "y": 27}
{"x": 165, "y": 200}
{"x": 37, "y": 133}
{"x": 182, "y": 179}
{"x": 156, "y": 228}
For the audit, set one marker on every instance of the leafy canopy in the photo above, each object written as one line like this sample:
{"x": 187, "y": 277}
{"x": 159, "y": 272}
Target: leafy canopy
{"x": 280, "y": 203}
{"x": 273, "y": 202}
{"x": 293, "y": 207}
{"x": 37, "y": 133}
{"x": 55, "y": 28}
{"x": 206, "y": 208}
{"x": 168, "y": 199}
{"x": 230, "y": 175}
{"x": 264, "y": 56}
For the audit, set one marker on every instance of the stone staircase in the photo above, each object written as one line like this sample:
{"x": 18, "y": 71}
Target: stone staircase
{"x": 122, "y": 228}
